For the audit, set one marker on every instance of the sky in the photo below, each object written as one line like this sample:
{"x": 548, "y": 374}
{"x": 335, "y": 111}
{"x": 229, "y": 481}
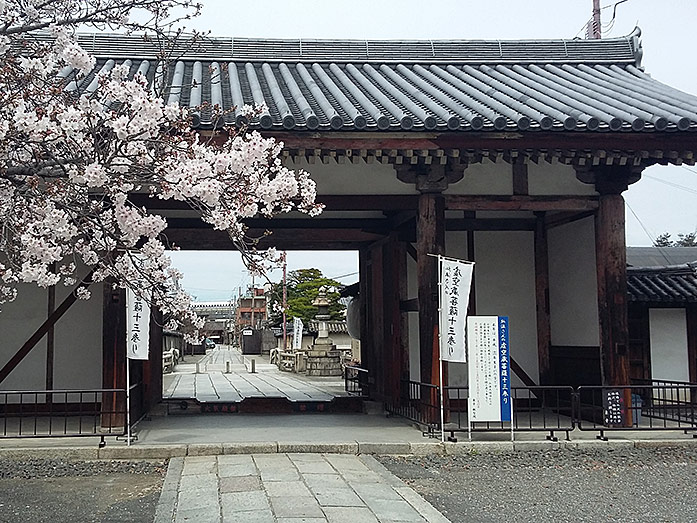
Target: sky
{"x": 664, "y": 200}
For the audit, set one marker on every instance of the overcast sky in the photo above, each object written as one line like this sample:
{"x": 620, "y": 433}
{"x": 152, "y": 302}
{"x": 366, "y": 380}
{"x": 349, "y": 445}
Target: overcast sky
{"x": 665, "y": 200}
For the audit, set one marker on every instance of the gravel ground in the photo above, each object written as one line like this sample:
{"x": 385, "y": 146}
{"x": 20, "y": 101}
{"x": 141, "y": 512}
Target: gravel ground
{"x": 43, "y": 490}
{"x": 632, "y": 485}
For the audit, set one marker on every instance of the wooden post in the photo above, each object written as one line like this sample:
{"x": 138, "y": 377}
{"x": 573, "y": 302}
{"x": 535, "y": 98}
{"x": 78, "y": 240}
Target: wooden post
{"x": 542, "y": 299}
{"x": 114, "y": 356}
{"x": 392, "y": 319}
{"x": 611, "y": 259}
{"x": 430, "y": 239}
{"x": 50, "y": 339}
{"x": 152, "y": 368}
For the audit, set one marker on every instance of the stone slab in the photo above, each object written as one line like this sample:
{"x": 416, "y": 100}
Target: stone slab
{"x": 235, "y": 502}
{"x": 259, "y": 447}
{"x": 204, "y": 449}
{"x": 423, "y": 507}
{"x": 239, "y": 484}
{"x": 350, "y": 515}
{"x": 296, "y": 507}
{"x": 321, "y": 448}
{"x": 142, "y": 452}
{"x": 384, "y": 448}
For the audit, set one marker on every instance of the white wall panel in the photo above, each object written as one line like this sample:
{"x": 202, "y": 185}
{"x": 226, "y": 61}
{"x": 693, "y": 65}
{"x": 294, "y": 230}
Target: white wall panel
{"x": 505, "y": 285}
{"x": 668, "y": 334}
{"x": 573, "y": 285}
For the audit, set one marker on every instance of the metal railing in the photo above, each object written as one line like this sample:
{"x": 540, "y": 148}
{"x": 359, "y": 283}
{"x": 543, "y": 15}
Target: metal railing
{"x": 535, "y": 409}
{"x": 53, "y": 413}
{"x": 647, "y": 405}
{"x": 356, "y": 381}
{"x": 419, "y": 402}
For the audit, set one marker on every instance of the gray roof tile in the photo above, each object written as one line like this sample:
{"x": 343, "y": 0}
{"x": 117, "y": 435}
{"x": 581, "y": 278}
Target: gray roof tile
{"x": 555, "y": 85}
{"x": 673, "y": 284}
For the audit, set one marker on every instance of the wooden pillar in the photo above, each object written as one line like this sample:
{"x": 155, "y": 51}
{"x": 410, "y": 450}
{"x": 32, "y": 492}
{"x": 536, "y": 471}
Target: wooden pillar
{"x": 114, "y": 356}
{"x": 692, "y": 344}
{"x": 392, "y": 339}
{"x": 152, "y": 368}
{"x": 611, "y": 260}
{"x": 542, "y": 299}
{"x": 430, "y": 239}
{"x": 365, "y": 306}
{"x": 611, "y": 267}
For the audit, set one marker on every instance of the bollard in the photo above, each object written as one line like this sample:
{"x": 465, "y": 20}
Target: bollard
{"x": 197, "y": 370}
{"x": 254, "y": 366}
{"x": 227, "y": 367}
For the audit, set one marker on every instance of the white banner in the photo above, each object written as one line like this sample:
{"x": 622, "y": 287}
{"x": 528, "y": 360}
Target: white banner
{"x": 137, "y": 326}
{"x": 455, "y": 282}
{"x": 297, "y": 334}
{"x": 489, "y": 370}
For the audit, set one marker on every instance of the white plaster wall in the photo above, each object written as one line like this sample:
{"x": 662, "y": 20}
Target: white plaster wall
{"x": 668, "y": 335}
{"x": 19, "y": 320}
{"x": 350, "y": 178}
{"x": 486, "y": 177}
{"x": 573, "y": 285}
{"x": 505, "y": 286}
{"x": 555, "y": 178}
{"x": 78, "y": 341}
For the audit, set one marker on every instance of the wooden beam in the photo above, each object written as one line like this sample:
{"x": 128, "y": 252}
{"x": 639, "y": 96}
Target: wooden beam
{"x": 520, "y": 176}
{"x": 562, "y": 218}
{"x": 411, "y": 251}
{"x": 409, "y": 305}
{"x": 520, "y": 372}
{"x": 490, "y": 224}
{"x": 520, "y": 203}
{"x": 494, "y": 141}
{"x": 25, "y": 349}
{"x": 542, "y": 300}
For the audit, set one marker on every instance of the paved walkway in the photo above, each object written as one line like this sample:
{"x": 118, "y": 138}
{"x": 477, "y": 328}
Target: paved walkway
{"x": 288, "y": 488}
{"x": 223, "y": 375}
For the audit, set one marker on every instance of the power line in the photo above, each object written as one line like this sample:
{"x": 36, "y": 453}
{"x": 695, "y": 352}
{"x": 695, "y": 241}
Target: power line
{"x": 672, "y": 184}
{"x": 651, "y": 237}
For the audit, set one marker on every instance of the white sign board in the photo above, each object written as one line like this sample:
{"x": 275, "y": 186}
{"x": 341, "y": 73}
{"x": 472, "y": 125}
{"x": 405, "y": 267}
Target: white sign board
{"x": 455, "y": 282}
{"x": 137, "y": 326}
{"x": 297, "y": 334}
{"x": 489, "y": 370}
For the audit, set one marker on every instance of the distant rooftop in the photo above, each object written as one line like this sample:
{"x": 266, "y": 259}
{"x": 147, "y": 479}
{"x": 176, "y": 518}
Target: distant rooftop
{"x": 660, "y": 256}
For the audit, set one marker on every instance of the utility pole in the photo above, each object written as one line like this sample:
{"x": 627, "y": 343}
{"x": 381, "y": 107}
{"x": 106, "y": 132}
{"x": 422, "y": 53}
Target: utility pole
{"x": 253, "y": 293}
{"x": 285, "y": 297}
{"x": 594, "y": 30}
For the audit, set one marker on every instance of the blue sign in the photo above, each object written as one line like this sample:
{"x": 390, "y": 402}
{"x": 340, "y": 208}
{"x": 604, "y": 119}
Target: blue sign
{"x": 504, "y": 369}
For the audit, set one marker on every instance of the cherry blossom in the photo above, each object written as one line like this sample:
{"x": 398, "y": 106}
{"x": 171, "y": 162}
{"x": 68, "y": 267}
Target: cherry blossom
{"x": 72, "y": 160}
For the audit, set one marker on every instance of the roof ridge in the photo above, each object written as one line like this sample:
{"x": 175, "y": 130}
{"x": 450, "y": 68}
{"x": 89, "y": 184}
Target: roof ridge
{"x": 624, "y": 49}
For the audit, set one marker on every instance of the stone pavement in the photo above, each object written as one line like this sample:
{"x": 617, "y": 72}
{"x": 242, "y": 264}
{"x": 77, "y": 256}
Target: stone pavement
{"x": 288, "y": 488}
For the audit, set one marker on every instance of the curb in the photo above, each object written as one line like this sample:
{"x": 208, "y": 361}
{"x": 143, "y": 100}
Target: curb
{"x": 351, "y": 447}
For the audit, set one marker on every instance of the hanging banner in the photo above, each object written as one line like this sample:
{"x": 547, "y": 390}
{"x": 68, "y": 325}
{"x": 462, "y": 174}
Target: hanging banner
{"x": 297, "y": 334}
{"x": 489, "y": 369}
{"x": 137, "y": 326}
{"x": 455, "y": 282}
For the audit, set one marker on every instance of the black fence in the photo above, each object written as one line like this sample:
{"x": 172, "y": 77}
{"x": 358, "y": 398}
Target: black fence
{"x": 419, "y": 402}
{"x": 54, "y": 413}
{"x": 648, "y": 405}
{"x": 356, "y": 381}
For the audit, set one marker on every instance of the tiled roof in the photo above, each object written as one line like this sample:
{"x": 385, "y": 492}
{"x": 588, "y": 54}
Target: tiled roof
{"x": 555, "y": 85}
{"x": 660, "y": 256}
{"x": 671, "y": 284}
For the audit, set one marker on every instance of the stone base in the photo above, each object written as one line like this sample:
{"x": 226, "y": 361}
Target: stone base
{"x": 323, "y": 360}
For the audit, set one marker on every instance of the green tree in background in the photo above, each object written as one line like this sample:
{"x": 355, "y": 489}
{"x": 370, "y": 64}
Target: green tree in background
{"x": 684, "y": 240}
{"x": 302, "y": 288}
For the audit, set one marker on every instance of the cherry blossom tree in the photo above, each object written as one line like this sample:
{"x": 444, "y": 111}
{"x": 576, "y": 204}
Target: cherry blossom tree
{"x": 70, "y": 160}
